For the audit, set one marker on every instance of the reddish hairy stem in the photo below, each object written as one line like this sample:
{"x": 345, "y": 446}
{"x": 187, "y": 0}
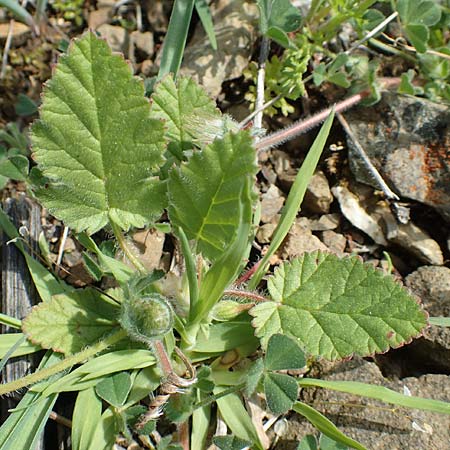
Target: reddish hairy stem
{"x": 245, "y": 294}
{"x": 304, "y": 125}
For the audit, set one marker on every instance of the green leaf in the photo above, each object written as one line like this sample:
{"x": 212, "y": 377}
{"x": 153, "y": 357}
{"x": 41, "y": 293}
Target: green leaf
{"x": 206, "y": 193}
{"x": 24, "y": 426}
{"x": 46, "y": 284}
{"x": 96, "y": 142}
{"x": 105, "y": 432}
{"x": 440, "y": 321}
{"x": 180, "y": 406}
{"x": 326, "y": 443}
{"x": 279, "y": 14}
{"x": 226, "y": 268}
{"x": 418, "y": 35}
{"x": 337, "y": 307}
{"x": 7, "y": 340}
{"x": 115, "y": 388}
{"x": 283, "y": 353}
{"x": 69, "y": 322}
{"x": 121, "y": 272}
{"x": 25, "y": 106}
{"x": 190, "y": 116}
{"x": 423, "y": 12}
{"x": 281, "y": 392}
{"x": 88, "y": 374}
{"x": 254, "y": 376}
{"x": 236, "y": 417}
{"x": 15, "y": 167}
{"x": 225, "y": 336}
{"x": 230, "y": 443}
{"x": 204, "y": 13}
{"x": 308, "y": 443}
{"x": 19, "y": 11}
{"x": 86, "y": 415}
{"x": 324, "y": 425}
{"x": 175, "y": 38}
{"x": 380, "y": 393}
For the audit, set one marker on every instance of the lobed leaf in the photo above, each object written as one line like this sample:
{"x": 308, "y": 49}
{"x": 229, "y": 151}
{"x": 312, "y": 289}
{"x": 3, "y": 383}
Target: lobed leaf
{"x": 96, "y": 142}
{"x": 337, "y": 307}
{"x": 69, "y": 322}
{"x": 206, "y": 193}
{"x": 190, "y": 116}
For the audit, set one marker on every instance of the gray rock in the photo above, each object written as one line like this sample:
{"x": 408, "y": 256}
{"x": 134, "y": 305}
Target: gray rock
{"x": 271, "y": 203}
{"x": 318, "y": 197}
{"x": 116, "y": 37}
{"x": 234, "y": 27}
{"x": 408, "y": 236}
{"x": 265, "y": 232}
{"x": 406, "y": 139}
{"x": 325, "y": 222}
{"x": 432, "y": 286}
{"x": 335, "y": 242}
{"x": 300, "y": 240}
{"x": 143, "y": 42}
{"x": 370, "y": 422}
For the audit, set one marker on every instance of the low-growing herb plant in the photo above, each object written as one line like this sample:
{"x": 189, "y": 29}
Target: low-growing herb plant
{"x": 152, "y": 346}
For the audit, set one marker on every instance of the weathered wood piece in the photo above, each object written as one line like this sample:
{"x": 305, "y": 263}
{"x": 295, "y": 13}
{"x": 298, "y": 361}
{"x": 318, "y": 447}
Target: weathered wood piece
{"x": 18, "y": 292}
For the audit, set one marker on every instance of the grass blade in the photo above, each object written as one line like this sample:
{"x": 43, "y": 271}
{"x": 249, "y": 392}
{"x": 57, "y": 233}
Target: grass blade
{"x": 237, "y": 418}
{"x": 24, "y": 426}
{"x": 175, "y": 40}
{"x": 204, "y": 13}
{"x": 324, "y": 425}
{"x": 19, "y": 11}
{"x": 86, "y": 415}
{"x": 440, "y": 321}
{"x": 294, "y": 199}
{"x": 379, "y": 393}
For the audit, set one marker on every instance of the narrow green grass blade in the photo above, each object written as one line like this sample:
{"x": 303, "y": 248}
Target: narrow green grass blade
{"x": 86, "y": 415}
{"x": 105, "y": 432}
{"x": 175, "y": 40}
{"x": 440, "y": 321}
{"x": 237, "y": 418}
{"x": 294, "y": 199}
{"x": 200, "y": 427}
{"x": 324, "y": 425}
{"x": 18, "y": 344}
{"x": 46, "y": 284}
{"x": 204, "y": 13}
{"x": 19, "y": 11}
{"x": 22, "y": 428}
{"x": 380, "y": 393}
{"x": 10, "y": 321}
{"x": 41, "y": 6}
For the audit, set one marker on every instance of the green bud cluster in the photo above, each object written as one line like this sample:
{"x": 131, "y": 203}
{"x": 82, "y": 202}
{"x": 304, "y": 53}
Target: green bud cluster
{"x": 146, "y": 318}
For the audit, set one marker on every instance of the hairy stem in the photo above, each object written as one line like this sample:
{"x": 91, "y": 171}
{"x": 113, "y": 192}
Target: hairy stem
{"x": 64, "y": 364}
{"x": 245, "y": 294}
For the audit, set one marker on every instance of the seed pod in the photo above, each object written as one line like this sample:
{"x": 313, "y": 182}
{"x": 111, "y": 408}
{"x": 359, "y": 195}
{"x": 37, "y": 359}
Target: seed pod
{"x": 146, "y": 318}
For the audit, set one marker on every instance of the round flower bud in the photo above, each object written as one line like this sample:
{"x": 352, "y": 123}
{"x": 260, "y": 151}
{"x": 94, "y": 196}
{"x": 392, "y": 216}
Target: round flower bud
{"x": 146, "y": 318}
